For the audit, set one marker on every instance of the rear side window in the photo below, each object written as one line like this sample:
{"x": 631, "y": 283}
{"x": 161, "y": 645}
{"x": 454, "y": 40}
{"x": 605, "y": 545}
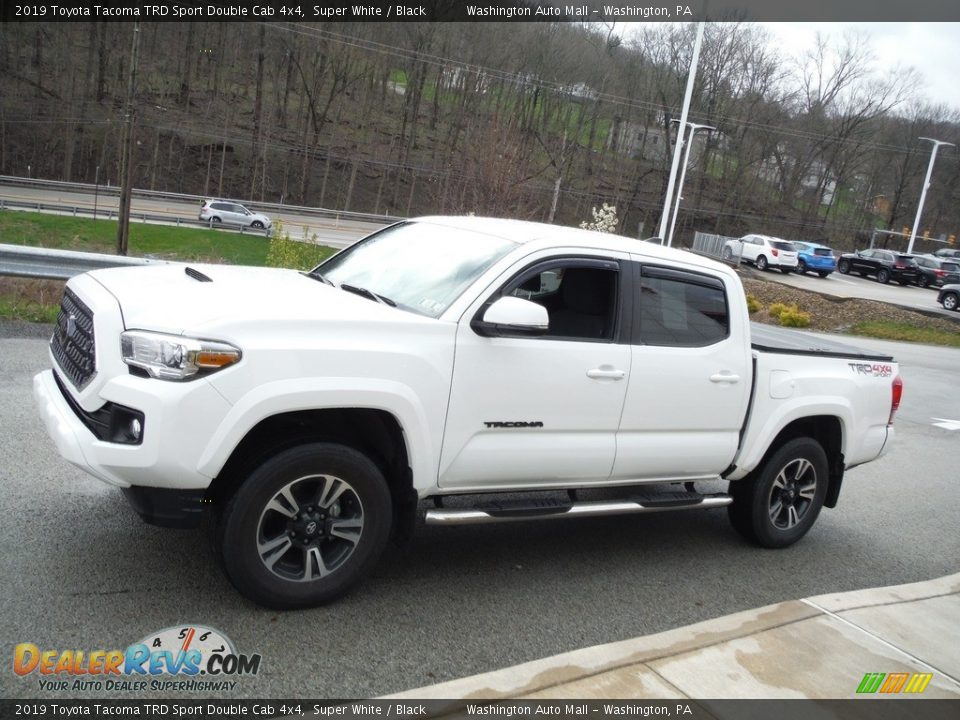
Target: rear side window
{"x": 827, "y": 252}
{"x": 681, "y": 309}
{"x": 780, "y": 245}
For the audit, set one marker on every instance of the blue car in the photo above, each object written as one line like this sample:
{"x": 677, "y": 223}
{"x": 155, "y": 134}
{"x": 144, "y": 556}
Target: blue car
{"x": 815, "y": 258}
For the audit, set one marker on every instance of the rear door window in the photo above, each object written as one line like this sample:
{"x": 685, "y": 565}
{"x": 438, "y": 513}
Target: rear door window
{"x": 681, "y": 309}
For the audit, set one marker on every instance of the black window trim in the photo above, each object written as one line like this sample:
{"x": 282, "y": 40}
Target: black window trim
{"x": 623, "y": 321}
{"x": 642, "y": 270}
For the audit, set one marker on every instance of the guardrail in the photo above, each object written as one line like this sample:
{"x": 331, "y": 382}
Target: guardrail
{"x": 114, "y": 190}
{"x": 110, "y": 214}
{"x": 48, "y": 264}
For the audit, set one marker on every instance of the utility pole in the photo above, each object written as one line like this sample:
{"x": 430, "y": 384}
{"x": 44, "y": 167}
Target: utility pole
{"x": 126, "y": 158}
{"x": 683, "y": 174}
{"x": 691, "y": 74}
{"x": 923, "y": 192}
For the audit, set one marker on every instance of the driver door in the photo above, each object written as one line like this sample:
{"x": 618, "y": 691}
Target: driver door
{"x": 542, "y": 411}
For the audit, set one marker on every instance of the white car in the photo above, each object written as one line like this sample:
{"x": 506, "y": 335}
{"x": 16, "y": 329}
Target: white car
{"x": 306, "y": 414}
{"x": 763, "y": 251}
{"x": 223, "y": 211}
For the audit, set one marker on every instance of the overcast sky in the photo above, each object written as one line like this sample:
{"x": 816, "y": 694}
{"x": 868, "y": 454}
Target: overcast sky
{"x": 932, "y": 48}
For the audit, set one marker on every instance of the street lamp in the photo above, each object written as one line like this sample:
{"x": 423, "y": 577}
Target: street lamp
{"x": 923, "y": 193}
{"x": 683, "y": 174}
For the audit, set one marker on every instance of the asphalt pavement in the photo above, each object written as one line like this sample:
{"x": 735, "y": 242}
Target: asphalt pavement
{"x": 79, "y": 570}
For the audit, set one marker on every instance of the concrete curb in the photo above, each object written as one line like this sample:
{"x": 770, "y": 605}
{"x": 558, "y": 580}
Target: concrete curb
{"x": 818, "y": 647}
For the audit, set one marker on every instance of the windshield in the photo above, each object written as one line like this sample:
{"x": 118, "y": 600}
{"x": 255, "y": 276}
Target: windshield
{"x": 420, "y": 266}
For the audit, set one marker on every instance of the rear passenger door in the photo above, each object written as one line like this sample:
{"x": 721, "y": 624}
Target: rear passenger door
{"x": 690, "y": 377}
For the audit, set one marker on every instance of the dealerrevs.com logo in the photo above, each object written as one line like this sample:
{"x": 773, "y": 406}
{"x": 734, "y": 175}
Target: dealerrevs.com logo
{"x": 184, "y": 657}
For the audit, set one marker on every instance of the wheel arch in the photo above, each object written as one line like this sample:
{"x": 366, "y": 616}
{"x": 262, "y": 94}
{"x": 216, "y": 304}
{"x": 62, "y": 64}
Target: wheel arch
{"x": 827, "y": 430}
{"x": 376, "y": 433}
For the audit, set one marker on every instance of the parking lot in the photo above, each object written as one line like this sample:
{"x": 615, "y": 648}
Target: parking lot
{"x": 78, "y": 570}
{"x": 854, "y": 286}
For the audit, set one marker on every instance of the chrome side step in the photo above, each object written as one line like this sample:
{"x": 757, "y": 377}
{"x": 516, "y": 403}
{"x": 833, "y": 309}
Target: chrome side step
{"x": 514, "y": 511}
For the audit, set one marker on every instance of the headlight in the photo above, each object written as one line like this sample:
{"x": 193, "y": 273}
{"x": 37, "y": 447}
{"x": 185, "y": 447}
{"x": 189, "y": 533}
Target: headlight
{"x": 172, "y": 357}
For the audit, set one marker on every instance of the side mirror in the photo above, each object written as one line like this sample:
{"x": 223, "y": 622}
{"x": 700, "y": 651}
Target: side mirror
{"x": 513, "y": 317}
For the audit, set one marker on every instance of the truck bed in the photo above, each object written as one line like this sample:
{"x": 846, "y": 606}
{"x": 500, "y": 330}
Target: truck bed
{"x": 767, "y": 338}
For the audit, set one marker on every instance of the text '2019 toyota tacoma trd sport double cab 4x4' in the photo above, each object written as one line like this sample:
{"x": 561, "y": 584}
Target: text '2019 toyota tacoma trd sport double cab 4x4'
{"x": 308, "y": 413}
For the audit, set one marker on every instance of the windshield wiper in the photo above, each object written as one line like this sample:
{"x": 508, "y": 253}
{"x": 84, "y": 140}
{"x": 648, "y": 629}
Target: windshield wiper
{"x": 321, "y": 278}
{"x": 363, "y": 292}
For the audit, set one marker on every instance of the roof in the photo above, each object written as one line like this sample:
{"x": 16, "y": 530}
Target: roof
{"x": 524, "y": 231}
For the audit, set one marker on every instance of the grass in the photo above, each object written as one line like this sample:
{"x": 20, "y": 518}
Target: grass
{"x": 886, "y": 330}
{"x": 38, "y": 300}
{"x": 162, "y": 241}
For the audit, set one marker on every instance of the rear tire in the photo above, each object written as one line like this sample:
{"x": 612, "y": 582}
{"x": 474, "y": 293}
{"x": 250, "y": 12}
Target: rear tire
{"x": 215, "y": 220}
{"x": 924, "y": 281}
{"x": 801, "y": 267}
{"x": 883, "y": 276}
{"x": 780, "y": 501}
{"x": 823, "y": 274}
{"x": 761, "y": 263}
{"x": 305, "y": 526}
{"x": 786, "y": 270}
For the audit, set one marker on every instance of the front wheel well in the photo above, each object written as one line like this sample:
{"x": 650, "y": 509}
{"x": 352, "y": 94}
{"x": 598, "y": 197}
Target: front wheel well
{"x": 826, "y": 430}
{"x": 375, "y": 433}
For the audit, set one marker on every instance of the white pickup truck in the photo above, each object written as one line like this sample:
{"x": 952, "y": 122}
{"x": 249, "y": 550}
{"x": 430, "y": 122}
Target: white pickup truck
{"x": 307, "y": 414}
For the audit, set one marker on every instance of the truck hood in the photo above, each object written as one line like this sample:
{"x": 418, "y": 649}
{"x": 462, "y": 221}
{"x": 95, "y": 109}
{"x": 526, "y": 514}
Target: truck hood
{"x": 166, "y": 298}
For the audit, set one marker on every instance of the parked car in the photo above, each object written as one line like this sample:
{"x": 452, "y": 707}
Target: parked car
{"x": 763, "y": 251}
{"x": 815, "y": 257}
{"x": 230, "y": 212}
{"x": 448, "y": 357}
{"x": 937, "y": 271}
{"x": 884, "y": 265}
{"x": 949, "y": 297}
{"x": 947, "y": 253}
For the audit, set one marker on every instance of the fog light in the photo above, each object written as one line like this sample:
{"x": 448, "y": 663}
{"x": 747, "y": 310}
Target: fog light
{"x": 135, "y": 429}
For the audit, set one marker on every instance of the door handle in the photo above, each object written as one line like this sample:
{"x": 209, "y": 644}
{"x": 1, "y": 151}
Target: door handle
{"x": 725, "y": 377}
{"x": 606, "y": 372}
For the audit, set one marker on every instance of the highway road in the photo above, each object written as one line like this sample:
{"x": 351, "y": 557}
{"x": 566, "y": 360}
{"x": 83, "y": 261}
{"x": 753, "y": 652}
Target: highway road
{"x": 78, "y": 570}
{"x": 336, "y": 232}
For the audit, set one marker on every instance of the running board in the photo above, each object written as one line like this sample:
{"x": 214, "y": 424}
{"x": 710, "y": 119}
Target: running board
{"x": 516, "y": 510}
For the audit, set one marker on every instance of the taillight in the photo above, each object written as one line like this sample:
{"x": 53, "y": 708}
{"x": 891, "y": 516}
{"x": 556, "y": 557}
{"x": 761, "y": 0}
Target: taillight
{"x": 895, "y": 400}
{"x": 939, "y": 273}
{"x": 773, "y": 251}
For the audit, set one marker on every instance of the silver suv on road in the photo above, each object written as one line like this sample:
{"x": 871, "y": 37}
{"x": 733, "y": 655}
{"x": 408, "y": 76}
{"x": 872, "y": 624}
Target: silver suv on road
{"x": 230, "y": 212}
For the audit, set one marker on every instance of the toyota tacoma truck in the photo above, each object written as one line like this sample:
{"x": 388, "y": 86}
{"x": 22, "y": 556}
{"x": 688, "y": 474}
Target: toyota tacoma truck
{"x": 527, "y": 368}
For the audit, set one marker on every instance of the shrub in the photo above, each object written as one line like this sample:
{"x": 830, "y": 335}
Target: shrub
{"x": 793, "y": 317}
{"x": 298, "y": 255}
{"x": 753, "y": 305}
{"x": 777, "y": 309}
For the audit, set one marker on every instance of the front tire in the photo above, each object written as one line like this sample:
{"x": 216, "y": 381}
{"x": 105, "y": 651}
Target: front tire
{"x": 843, "y": 266}
{"x": 257, "y": 225}
{"x": 786, "y": 270}
{"x": 950, "y": 301}
{"x": 780, "y": 501}
{"x": 305, "y": 526}
{"x": 823, "y": 274}
{"x": 761, "y": 263}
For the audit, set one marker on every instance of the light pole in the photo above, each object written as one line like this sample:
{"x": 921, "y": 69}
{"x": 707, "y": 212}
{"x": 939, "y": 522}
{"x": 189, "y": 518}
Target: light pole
{"x": 691, "y": 74}
{"x": 923, "y": 192}
{"x": 683, "y": 174}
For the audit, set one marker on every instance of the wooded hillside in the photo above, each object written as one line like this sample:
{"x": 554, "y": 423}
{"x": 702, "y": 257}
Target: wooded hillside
{"x": 502, "y": 119}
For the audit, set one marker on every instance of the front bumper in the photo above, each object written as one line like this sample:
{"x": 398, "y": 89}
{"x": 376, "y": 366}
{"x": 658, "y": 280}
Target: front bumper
{"x": 178, "y": 417}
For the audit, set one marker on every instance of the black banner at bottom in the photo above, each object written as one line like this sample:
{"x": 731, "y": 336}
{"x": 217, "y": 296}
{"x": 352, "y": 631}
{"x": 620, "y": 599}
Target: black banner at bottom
{"x": 683, "y": 709}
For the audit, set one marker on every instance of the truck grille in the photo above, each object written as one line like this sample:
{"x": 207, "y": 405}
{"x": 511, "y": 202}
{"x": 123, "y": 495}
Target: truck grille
{"x": 72, "y": 343}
